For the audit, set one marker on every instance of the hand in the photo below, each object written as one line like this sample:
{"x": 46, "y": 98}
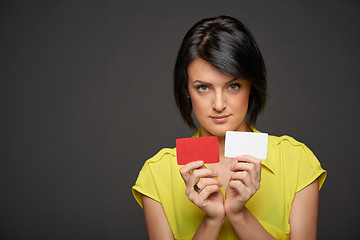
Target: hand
{"x": 209, "y": 198}
{"x": 243, "y": 183}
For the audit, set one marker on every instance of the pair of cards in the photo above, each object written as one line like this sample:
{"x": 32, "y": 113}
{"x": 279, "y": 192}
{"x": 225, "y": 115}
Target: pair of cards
{"x": 207, "y": 148}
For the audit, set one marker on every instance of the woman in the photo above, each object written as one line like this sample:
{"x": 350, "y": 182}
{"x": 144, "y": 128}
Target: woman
{"x": 220, "y": 76}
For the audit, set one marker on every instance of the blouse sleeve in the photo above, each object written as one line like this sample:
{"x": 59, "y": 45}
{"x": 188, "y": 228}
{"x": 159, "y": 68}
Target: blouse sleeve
{"x": 145, "y": 184}
{"x": 309, "y": 169}
{"x": 153, "y": 177}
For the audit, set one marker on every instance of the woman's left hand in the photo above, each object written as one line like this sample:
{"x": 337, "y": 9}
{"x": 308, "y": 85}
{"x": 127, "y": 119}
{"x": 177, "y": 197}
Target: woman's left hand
{"x": 243, "y": 183}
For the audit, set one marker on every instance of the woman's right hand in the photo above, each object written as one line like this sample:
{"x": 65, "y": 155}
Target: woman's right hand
{"x": 209, "y": 198}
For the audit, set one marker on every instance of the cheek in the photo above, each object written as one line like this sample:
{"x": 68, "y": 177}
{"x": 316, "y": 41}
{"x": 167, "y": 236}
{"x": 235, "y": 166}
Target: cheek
{"x": 197, "y": 104}
{"x": 241, "y": 102}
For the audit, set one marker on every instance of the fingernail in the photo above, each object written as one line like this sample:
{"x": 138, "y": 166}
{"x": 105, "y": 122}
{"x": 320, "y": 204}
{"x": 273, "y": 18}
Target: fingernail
{"x": 200, "y": 162}
{"x": 239, "y": 157}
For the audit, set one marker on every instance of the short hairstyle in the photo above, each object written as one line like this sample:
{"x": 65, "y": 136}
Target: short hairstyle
{"x": 228, "y": 45}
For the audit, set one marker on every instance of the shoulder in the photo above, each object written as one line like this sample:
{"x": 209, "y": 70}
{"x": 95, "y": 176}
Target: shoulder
{"x": 284, "y": 140}
{"x": 154, "y": 175}
{"x": 162, "y": 161}
{"x": 287, "y": 144}
{"x": 163, "y": 154}
{"x": 289, "y": 152}
{"x": 297, "y": 159}
{"x": 294, "y": 159}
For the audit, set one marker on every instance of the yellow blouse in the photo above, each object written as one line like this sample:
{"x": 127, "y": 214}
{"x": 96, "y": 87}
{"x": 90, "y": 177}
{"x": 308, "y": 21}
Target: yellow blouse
{"x": 289, "y": 167}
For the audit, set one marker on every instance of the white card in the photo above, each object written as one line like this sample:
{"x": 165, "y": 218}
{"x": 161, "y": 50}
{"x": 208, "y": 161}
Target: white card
{"x": 246, "y": 143}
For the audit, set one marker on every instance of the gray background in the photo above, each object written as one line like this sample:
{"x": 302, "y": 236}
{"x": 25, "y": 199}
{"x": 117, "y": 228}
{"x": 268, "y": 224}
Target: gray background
{"x": 86, "y": 97}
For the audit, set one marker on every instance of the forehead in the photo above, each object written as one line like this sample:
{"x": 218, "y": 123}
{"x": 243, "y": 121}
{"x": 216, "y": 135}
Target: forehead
{"x": 202, "y": 70}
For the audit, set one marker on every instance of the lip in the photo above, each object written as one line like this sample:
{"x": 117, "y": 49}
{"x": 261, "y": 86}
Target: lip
{"x": 220, "y": 118}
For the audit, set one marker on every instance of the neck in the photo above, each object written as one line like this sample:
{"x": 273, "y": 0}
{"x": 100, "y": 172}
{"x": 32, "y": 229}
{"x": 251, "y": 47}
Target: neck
{"x": 221, "y": 146}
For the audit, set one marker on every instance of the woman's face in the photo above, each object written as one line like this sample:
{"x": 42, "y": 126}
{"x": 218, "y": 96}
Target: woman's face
{"x": 219, "y": 101}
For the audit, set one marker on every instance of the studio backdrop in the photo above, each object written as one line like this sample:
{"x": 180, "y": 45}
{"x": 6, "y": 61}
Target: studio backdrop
{"x": 86, "y": 98}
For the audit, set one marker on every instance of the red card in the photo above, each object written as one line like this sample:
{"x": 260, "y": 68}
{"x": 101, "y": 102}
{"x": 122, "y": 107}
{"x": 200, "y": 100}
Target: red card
{"x": 196, "y": 149}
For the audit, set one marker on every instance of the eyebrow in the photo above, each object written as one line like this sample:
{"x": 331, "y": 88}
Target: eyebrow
{"x": 206, "y": 83}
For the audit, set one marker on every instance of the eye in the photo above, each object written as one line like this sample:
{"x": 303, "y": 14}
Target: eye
{"x": 234, "y": 86}
{"x": 202, "y": 88}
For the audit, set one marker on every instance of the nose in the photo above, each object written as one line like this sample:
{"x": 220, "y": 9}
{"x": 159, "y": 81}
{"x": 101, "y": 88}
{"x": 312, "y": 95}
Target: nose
{"x": 219, "y": 103}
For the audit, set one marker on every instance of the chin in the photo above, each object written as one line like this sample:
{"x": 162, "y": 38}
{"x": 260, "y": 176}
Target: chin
{"x": 218, "y": 131}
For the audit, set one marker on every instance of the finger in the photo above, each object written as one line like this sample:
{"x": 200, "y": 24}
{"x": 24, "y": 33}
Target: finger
{"x": 202, "y": 198}
{"x": 198, "y": 174}
{"x": 245, "y": 178}
{"x": 239, "y": 186}
{"x": 186, "y": 170}
{"x": 248, "y": 167}
{"x": 242, "y": 166}
{"x": 204, "y": 182}
{"x": 250, "y": 159}
{"x": 203, "y": 173}
{"x": 254, "y": 166}
{"x": 243, "y": 192}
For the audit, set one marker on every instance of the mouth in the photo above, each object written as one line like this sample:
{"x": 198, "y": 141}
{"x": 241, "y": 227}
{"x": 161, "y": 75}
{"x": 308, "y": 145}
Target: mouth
{"x": 220, "y": 118}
